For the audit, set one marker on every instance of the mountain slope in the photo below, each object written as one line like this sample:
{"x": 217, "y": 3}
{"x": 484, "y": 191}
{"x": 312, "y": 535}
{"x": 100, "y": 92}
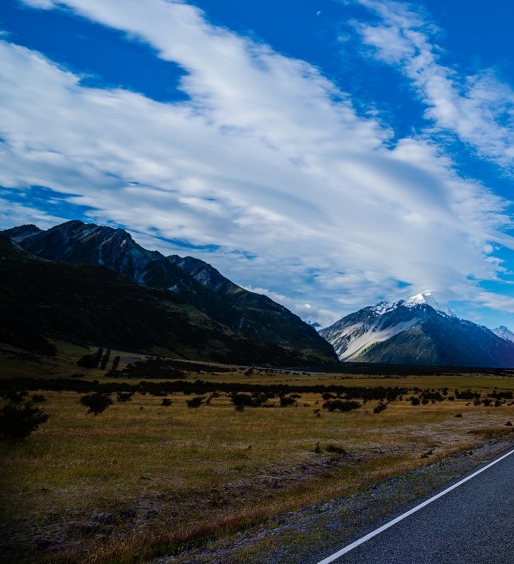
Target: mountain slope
{"x": 254, "y": 316}
{"x": 42, "y": 299}
{"x": 414, "y": 332}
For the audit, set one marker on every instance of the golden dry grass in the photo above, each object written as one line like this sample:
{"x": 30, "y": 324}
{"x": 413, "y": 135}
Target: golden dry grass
{"x": 142, "y": 478}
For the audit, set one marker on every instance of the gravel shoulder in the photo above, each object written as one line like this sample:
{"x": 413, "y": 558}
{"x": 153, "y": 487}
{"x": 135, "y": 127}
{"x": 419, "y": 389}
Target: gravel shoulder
{"x": 307, "y": 536}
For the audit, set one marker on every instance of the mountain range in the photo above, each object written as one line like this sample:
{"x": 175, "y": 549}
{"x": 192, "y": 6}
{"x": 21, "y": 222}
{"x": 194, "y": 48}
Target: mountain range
{"x": 418, "y": 332}
{"x": 98, "y": 285}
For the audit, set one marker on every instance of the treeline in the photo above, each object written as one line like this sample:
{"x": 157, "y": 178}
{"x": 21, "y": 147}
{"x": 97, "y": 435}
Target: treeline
{"x": 199, "y": 387}
{"x": 256, "y": 395}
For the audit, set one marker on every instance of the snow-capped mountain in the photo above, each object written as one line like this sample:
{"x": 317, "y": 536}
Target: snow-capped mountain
{"x": 504, "y": 333}
{"x": 428, "y": 299}
{"x": 417, "y": 331}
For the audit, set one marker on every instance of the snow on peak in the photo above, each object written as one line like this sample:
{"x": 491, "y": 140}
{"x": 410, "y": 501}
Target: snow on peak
{"x": 428, "y": 299}
{"x": 381, "y": 308}
{"x": 504, "y": 333}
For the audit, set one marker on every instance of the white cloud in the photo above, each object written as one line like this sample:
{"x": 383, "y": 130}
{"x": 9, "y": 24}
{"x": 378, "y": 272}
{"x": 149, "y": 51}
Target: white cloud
{"x": 44, "y": 4}
{"x": 267, "y": 158}
{"x": 478, "y": 108}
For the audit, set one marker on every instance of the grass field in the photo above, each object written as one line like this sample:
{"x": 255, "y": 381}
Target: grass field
{"x": 143, "y": 478}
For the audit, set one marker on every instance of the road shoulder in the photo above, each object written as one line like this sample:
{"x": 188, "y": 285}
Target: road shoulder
{"x": 309, "y": 535}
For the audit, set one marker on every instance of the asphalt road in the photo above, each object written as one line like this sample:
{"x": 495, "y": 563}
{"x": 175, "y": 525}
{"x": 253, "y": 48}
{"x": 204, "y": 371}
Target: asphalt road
{"x": 471, "y": 524}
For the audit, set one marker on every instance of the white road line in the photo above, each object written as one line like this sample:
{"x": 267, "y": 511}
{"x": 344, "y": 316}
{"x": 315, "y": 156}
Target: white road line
{"x": 376, "y": 532}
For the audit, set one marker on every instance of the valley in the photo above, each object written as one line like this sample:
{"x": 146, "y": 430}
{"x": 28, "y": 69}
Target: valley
{"x": 157, "y": 473}
{"x": 153, "y": 411}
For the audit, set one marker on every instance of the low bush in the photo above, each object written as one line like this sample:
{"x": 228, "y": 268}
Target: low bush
{"x": 334, "y": 449}
{"x": 17, "y": 422}
{"x": 341, "y": 405}
{"x": 96, "y": 402}
{"x": 195, "y": 402}
{"x": 380, "y": 407}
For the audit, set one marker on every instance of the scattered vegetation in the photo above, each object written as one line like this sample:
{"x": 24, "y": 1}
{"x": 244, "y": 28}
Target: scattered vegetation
{"x": 166, "y": 479}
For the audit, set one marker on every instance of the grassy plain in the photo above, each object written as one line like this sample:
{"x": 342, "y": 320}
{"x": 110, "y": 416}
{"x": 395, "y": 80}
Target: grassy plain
{"x": 143, "y": 478}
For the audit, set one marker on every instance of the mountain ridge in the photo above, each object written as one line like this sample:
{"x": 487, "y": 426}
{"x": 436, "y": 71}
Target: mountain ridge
{"x": 45, "y": 300}
{"x": 414, "y": 332}
{"x": 253, "y": 316}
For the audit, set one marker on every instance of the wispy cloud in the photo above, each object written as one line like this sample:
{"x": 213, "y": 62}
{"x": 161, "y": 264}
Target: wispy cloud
{"x": 266, "y": 158}
{"x": 478, "y": 108}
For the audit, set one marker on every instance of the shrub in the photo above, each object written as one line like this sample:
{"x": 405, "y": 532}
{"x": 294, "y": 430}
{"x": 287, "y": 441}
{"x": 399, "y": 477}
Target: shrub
{"x": 334, "y": 449}
{"x": 18, "y": 422}
{"x": 380, "y": 407}
{"x": 195, "y": 402}
{"x": 241, "y": 401}
{"x": 287, "y": 400}
{"x": 341, "y": 405}
{"x": 38, "y": 398}
{"x": 96, "y": 402}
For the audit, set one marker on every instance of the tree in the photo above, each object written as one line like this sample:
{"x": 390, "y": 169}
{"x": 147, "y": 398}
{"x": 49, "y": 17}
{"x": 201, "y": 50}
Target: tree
{"x": 105, "y": 359}
{"x": 17, "y": 422}
{"x": 115, "y": 363}
{"x": 91, "y": 360}
{"x": 96, "y": 402}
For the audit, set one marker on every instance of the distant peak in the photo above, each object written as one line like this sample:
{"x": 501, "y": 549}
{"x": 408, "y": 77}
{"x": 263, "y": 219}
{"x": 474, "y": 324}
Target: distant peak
{"x": 419, "y": 299}
{"x": 428, "y": 299}
{"x": 504, "y": 333}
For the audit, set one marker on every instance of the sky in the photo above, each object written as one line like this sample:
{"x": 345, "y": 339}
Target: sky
{"x": 330, "y": 154}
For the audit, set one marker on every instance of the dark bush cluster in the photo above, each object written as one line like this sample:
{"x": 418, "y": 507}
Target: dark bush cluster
{"x": 124, "y": 396}
{"x": 341, "y": 405}
{"x": 96, "y": 402}
{"x": 467, "y": 395}
{"x": 195, "y": 402}
{"x": 431, "y": 395}
{"x": 286, "y": 401}
{"x": 18, "y": 422}
{"x": 257, "y": 399}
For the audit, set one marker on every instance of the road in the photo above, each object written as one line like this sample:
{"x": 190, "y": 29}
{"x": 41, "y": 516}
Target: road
{"x": 472, "y": 523}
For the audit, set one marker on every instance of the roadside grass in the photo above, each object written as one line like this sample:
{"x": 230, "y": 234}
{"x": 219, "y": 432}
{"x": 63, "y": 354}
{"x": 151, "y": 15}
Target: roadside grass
{"x": 143, "y": 479}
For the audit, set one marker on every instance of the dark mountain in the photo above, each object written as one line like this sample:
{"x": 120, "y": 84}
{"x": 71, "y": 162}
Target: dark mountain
{"x": 42, "y": 299}
{"x": 251, "y": 315}
{"x": 417, "y": 332}
{"x": 17, "y": 234}
{"x": 254, "y": 315}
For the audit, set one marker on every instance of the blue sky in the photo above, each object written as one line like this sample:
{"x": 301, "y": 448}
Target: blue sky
{"x": 327, "y": 153}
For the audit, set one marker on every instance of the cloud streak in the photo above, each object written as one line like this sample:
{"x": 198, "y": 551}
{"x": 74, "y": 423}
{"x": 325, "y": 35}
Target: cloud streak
{"x": 267, "y": 162}
{"x": 477, "y": 108}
